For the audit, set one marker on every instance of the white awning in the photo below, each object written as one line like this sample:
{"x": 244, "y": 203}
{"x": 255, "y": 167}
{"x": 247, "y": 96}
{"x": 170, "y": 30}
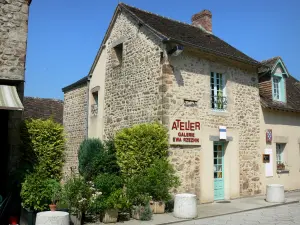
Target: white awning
{"x": 9, "y": 98}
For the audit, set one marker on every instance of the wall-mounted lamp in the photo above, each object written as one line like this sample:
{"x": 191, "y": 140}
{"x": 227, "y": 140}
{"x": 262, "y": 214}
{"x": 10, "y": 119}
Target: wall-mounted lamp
{"x": 176, "y": 51}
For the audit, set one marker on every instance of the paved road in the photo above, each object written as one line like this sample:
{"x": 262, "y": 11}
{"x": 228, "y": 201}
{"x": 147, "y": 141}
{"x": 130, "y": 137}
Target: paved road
{"x": 285, "y": 215}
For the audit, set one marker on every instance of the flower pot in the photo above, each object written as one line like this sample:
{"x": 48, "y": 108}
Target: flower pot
{"x": 136, "y": 212}
{"x": 52, "y": 207}
{"x": 157, "y": 207}
{"x": 110, "y": 216}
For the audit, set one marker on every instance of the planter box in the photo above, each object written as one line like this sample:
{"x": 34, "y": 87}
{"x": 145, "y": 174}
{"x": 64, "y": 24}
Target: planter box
{"x": 157, "y": 207}
{"x": 110, "y": 216}
{"x": 27, "y": 217}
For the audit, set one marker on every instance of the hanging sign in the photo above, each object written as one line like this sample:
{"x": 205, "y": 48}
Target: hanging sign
{"x": 269, "y": 136}
{"x": 222, "y": 130}
{"x": 184, "y": 132}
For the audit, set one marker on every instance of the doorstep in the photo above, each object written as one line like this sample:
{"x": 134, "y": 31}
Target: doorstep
{"x": 219, "y": 209}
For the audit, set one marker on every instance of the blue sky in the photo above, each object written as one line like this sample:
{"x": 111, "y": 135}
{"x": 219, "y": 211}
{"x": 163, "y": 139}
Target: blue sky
{"x": 64, "y": 35}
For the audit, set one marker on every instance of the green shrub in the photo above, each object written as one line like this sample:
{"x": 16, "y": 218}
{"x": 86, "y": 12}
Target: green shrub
{"x": 78, "y": 194}
{"x": 136, "y": 190}
{"x": 139, "y": 146}
{"x": 117, "y": 200}
{"x": 96, "y": 158}
{"x": 38, "y": 191}
{"x": 159, "y": 179}
{"x": 43, "y": 147}
{"x": 108, "y": 183}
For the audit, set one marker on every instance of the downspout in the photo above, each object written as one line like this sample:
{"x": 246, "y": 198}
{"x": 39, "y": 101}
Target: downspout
{"x": 87, "y": 108}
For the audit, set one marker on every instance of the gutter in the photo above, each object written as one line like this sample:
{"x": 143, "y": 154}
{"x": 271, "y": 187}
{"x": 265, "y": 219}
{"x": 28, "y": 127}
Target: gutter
{"x": 258, "y": 64}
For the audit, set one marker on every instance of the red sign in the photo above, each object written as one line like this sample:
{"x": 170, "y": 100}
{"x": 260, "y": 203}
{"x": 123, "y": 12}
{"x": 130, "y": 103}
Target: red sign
{"x": 184, "y": 132}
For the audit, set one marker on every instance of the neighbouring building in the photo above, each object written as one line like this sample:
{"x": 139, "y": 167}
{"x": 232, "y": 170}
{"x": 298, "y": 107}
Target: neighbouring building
{"x": 13, "y": 44}
{"x": 43, "y": 108}
{"x": 218, "y": 103}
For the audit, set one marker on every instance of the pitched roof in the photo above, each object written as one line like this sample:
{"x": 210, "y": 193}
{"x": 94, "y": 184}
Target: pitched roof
{"x": 292, "y": 101}
{"x": 186, "y": 34}
{"x": 43, "y": 108}
{"x": 75, "y": 84}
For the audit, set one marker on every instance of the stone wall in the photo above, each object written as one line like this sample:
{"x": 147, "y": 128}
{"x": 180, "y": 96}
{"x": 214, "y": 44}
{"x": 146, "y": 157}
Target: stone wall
{"x": 188, "y": 77}
{"x": 131, "y": 88}
{"x": 75, "y": 124}
{"x": 13, "y": 38}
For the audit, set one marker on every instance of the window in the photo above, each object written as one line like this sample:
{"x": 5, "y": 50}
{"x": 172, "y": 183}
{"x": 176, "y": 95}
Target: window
{"x": 280, "y": 156}
{"x": 94, "y": 106}
{"x": 218, "y": 94}
{"x": 276, "y": 88}
{"x": 117, "y": 55}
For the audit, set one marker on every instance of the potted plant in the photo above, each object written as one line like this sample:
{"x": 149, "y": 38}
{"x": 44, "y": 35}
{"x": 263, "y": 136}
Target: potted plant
{"x": 160, "y": 178}
{"x": 116, "y": 201}
{"x": 56, "y": 191}
{"x": 280, "y": 166}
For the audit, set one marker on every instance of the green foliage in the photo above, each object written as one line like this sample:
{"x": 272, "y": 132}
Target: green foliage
{"x": 78, "y": 194}
{"x": 95, "y": 158}
{"x": 154, "y": 182}
{"x": 117, "y": 200}
{"x": 108, "y": 183}
{"x": 38, "y": 191}
{"x": 160, "y": 178}
{"x": 43, "y": 147}
{"x": 144, "y": 212}
{"x": 139, "y": 146}
{"x": 136, "y": 190}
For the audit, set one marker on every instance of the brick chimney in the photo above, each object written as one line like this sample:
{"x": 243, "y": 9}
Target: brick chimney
{"x": 203, "y": 20}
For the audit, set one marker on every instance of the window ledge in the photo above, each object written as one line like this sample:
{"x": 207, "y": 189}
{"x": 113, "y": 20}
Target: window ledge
{"x": 218, "y": 113}
{"x": 282, "y": 171}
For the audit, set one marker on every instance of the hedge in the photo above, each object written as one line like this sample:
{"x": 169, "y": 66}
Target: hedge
{"x": 139, "y": 146}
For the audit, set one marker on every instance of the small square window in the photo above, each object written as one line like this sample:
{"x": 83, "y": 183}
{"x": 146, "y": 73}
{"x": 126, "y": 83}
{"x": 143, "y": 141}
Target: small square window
{"x": 117, "y": 55}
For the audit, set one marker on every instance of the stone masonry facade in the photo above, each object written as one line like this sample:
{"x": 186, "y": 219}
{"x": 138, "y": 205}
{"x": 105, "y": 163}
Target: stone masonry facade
{"x": 75, "y": 125}
{"x": 146, "y": 88}
{"x": 149, "y": 86}
{"x": 188, "y": 77}
{"x": 13, "y": 44}
{"x": 13, "y": 38}
{"x": 131, "y": 88}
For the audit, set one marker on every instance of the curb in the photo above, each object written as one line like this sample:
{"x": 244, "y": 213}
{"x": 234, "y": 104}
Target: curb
{"x": 224, "y": 214}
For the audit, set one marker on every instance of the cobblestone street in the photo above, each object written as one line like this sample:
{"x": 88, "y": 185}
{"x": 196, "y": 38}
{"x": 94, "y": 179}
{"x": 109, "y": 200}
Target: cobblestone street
{"x": 285, "y": 215}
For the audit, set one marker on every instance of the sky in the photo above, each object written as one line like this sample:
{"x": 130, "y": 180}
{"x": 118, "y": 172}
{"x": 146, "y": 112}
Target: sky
{"x": 65, "y": 35}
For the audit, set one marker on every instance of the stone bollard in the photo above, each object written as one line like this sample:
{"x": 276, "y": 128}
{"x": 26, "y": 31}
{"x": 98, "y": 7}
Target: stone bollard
{"x": 52, "y": 218}
{"x": 185, "y": 206}
{"x": 275, "y": 193}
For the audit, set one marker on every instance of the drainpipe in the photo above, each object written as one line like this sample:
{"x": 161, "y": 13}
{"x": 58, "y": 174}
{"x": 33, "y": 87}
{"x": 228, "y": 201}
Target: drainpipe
{"x": 87, "y": 108}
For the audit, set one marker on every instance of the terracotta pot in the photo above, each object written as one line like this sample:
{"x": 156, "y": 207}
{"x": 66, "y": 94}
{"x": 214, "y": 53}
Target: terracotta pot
{"x": 157, "y": 207}
{"x": 52, "y": 207}
{"x": 110, "y": 216}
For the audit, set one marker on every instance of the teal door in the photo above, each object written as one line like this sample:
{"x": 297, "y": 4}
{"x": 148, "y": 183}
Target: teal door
{"x": 218, "y": 171}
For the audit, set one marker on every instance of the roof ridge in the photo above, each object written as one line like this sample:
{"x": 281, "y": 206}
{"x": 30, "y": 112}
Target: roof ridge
{"x": 168, "y": 18}
{"x": 127, "y": 7}
{"x": 270, "y": 59}
{"x": 39, "y": 98}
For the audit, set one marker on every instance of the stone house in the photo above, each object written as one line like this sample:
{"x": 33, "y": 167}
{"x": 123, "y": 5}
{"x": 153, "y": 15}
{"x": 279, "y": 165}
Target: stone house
{"x": 13, "y": 44}
{"x": 152, "y": 68}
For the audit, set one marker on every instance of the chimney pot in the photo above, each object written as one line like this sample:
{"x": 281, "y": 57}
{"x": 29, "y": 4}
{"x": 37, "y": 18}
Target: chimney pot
{"x": 203, "y": 20}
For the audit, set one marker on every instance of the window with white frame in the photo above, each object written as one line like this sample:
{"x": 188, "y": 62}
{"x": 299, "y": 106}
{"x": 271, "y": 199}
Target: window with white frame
{"x": 280, "y": 156}
{"x": 276, "y": 88}
{"x": 218, "y": 91}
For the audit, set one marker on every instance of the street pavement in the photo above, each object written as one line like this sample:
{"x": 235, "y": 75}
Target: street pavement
{"x": 285, "y": 215}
